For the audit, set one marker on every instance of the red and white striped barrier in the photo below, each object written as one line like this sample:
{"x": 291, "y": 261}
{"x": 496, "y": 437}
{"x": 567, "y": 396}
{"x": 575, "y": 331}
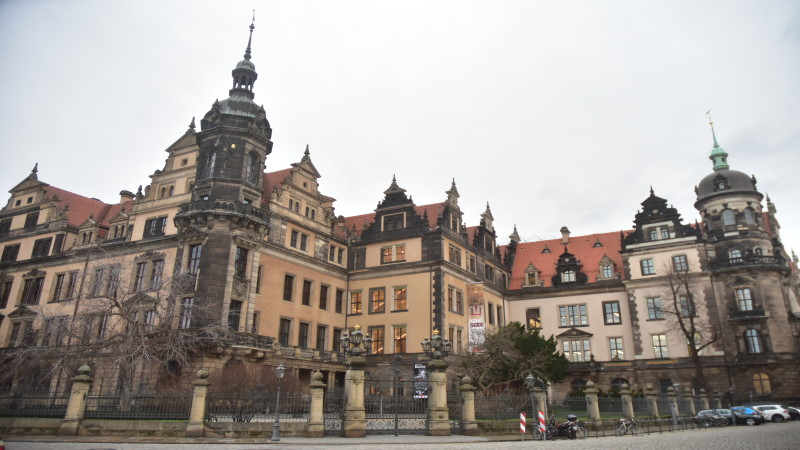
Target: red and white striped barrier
{"x": 522, "y": 423}
{"x": 541, "y": 421}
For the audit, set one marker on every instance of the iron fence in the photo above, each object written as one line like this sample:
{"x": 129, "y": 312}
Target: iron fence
{"x": 151, "y": 405}
{"x": 569, "y": 405}
{"x": 454, "y": 406}
{"x": 256, "y": 406}
{"x": 33, "y": 403}
{"x": 501, "y": 406}
{"x": 610, "y": 406}
{"x": 641, "y": 407}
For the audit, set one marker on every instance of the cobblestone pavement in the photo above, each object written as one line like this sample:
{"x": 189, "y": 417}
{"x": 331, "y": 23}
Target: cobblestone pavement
{"x": 772, "y": 436}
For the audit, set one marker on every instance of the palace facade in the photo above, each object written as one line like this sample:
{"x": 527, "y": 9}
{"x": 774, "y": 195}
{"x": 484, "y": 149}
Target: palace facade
{"x": 214, "y": 240}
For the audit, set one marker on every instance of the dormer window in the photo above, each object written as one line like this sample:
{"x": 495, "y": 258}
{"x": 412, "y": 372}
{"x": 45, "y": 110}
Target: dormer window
{"x": 608, "y": 271}
{"x": 394, "y": 222}
{"x": 568, "y": 276}
{"x": 653, "y": 235}
{"x": 664, "y": 233}
{"x": 546, "y": 249}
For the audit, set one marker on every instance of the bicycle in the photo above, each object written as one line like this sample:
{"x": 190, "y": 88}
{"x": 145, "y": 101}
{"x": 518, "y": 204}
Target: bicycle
{"x": 627, "y": 426}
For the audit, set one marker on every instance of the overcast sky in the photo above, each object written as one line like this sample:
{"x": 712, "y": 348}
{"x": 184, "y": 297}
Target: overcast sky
{"x": 555, "y": 112}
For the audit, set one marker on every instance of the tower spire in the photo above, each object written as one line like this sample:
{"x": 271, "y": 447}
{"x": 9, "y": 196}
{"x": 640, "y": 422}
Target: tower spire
{"x": 718, "y": 155}
{"x": 250, "y": 39}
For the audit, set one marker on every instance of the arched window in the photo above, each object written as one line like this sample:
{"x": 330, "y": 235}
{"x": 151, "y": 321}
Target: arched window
{"x": 735, "y": 255}
{"x": 578, "y": 384}
{"x": 212, "y": 160}
{"x": 749, "y": 217}
{"x": 251, "y": 170}
{"x": 761, "y": 383}
{"x": 728, "y": 217}
{"x": 758, "y": 252}
{"x": 752, "y": 339}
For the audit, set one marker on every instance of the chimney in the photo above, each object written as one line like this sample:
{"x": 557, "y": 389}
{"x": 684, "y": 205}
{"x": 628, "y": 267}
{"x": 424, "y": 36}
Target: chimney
{"x": 564, "y": 235}
{"x": 125, "y": 196}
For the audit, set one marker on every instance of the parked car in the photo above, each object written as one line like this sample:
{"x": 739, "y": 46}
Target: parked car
{"x": 744, "y": 415}
{"x": 775, "y": 413}
{"x": 793, "y": 412}
{"x": 711, "y": 418}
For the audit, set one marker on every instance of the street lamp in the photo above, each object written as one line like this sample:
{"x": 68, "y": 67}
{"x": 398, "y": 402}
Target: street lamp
{"x": 355, "y": 343}
{"x": 436, "y": 347}
{"x": 396, "y": 393}
{"x": 530, "y": 383}
{"x": 276, "y": 426}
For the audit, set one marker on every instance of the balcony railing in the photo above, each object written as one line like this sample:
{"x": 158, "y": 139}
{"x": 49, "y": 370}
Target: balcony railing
{"x": 751, "y": 260}
{"x": 217, "y": 205}
{"x": 746, "y": 314}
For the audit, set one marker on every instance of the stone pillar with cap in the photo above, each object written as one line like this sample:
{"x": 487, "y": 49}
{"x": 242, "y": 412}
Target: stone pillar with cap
{"x": 196, "y": 425}
{"x": 704, "y": 399}
{"x": 627, "y": 401}
{"x": 652, "y": 399}
{"x": 77, "y": 402}
{"x": 469, "y": 425}
{"x": 316, "y": 421}
{"x": 688, "y": 400}
{"x": 541, "y": 401}
{"x": 717, "y": 400}
{"x": 673, "y": 401}
{"x": 438, "y": 414}
{"x": 592, "y": 404}
{"x": 355, "y": 419}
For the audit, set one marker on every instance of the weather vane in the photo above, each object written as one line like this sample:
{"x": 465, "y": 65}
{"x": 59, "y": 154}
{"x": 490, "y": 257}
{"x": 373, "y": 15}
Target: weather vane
{"x": 708, "y": 113}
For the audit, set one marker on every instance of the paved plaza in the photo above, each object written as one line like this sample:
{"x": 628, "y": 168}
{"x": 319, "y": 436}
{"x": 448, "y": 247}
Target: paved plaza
{"x": 773, "y": 436}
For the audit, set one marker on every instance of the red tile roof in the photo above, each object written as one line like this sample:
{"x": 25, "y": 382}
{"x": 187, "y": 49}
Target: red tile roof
{"x": 80, "y": 207}
{"x": 271, "y": 180}
{"x": 583, "y": 247}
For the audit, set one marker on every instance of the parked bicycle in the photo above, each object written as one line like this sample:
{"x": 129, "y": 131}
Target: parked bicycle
{"x": 627, "y": 426}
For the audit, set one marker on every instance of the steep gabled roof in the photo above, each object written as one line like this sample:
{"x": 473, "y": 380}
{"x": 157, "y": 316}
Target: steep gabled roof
{"x": 433, "y": 210}
{"x": 584, "y": 248}
{"x": 271, "y": 180}
{"x": 80, "y": 207}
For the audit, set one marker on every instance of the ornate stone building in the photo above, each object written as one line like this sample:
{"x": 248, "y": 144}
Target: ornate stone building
{"x": 214, "y": 241}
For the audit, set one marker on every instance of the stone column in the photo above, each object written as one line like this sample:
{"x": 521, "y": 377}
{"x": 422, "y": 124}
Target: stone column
{"x": 592, "y": 405}
{"x": 438, "y": 414}
{"x": 316, "y": 421}
{"x": 627, "y": 401}
{"x": 652, "y": 399}
{"x": 355, "y": 421}
{"x": 77, "y": 402}
{"x": 704, "y": 399}
{"x": 673, "y": 401}
{"x": 541, "y": 402}
{"x": 196, "y": 425}
{"x": 717, "y": 400}
{"x": 469, "y": 425}
{"x": 688, "y": 400}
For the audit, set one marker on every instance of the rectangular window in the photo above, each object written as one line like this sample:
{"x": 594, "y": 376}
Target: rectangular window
{"x": 615, "y": 346}
{"x": 102, "y": 326}
{"x": 240, "y": 262}
{"x": 284, "y": 330}
{"x": 303, "y": 241}
{"x": 322, "y": 334}
{"x": 647, "y": 267}
{"x": 679, "y": 263}
{"x": 97, "y": 283}
{"x": 339, "y": 301}
{"x": 58, "y": 286}
{"x": 355, "y": 303}
{"x": 71, "y": 282}
{"x": 376, "y": 334}
{"x": 234, "y": 315}
{"x": 302, "y": 337}
{"x": 340, "y": 256}
{"x": 149, "y": 319}
{"x": 500, "y": 320}
{"x": 156, "y": 274}
{"x": 41, "y": 248}
{"x": 5, "y": 292}
{"x": 141, "y": 273}
{"x": 664, "y": 233}
{"x": 654, "y": 235}
{"x": 323, "y": 296}
{"x": 451, "y": 299}
{"x": 491, "y": 313}
{"x": 58, "y": 246}
{"x": 377, "y": 300}
{"x": 155, "y": 227}
{"x": 454, "y": 255}
{"x": 400, "y": 303}
{"x": 399, "y": 339}
{"x": 654, "y": 311}
{"x": 337, "y": 339}
{"x": 288, "y": 286}
{"x": 393, "y": 222}
{"x": 687, "y": 306}
{"x": 573, "y": 315}
{"x": 489, "y": 272}
{"x": 660, "y": 346}
{"x": 293, "y": 239}
{"x": 32, "y": 291}
{"x": 10, "y": 253}
{"x": 306, "y": 299}
{"x": 577, "y": 350}
{"x": 744, "y": 299}
{"x": 611, "y": 313}
{"x": 193, "y": 263}
{"x": 31, "y": 219}
{"x": 15, "y": 328}
{"x": 608, "y": 271}
{"x": 331, "y": 253}
{"x": 472, "y": 264}
{"x": 259, "y": 274}
{"x": 5, "y": 225}
{"x": 459, "y": 340}
{"x": 256, "y": 319}
{"x": 460, "y": 302}
{"x": 186, "y": 312}
{"x": 532, "y": 319}
{"x": 396, "y": 253}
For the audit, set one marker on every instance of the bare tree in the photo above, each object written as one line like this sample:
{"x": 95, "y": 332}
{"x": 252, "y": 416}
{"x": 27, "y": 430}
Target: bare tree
{"x": 128, "y": 320}
{"x": 686, "y": 307}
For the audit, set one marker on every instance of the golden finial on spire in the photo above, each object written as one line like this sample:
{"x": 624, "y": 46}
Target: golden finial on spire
{"x": 357, "y": 327}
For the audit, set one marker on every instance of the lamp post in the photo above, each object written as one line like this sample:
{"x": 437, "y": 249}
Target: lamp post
{"x": 437, "y": 347}
{"x": 355, "y": 345}
{"x": 276, "y": 426}
{"x": 395, "y": 393}
{"x": 530, "y": 383}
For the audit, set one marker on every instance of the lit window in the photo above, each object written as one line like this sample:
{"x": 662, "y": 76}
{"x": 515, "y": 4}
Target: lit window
{"x": 533, "y": 319}
{"x": 400, "y": 303}
{"x": 355, "y": 303}
{"x": 376, "y": 334}
{"x": 377, "y": 300}
{"x": 761, "y": 383}
{"x": 400, "y": 339}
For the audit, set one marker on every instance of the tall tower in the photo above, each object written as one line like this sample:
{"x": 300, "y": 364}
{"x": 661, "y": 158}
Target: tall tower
{"x": 225, "y": 220}
{"x": 750, "y": 278}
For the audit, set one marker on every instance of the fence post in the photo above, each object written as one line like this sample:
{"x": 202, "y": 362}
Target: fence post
{"x": 77, "y": 402}
{"x": 196, "y": 425}
{"x": 355, "y": 419}
{"x": 704, "y": 399}
{"x": 316, "y": 423}
{"x": 688, "y": 396}
{"x": 673, "y": 402}
{"x": 469, "y": 425}
{"x": 592, "y": 405}
{"x": 717, "y": 400}
{"x": 438, "y": 414}
{"x": 627, "y": 401}
{"x": 652, "y": 399}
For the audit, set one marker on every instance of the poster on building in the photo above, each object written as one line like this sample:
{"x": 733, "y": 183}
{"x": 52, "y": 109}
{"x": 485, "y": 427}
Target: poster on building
{"x": 477, "y": 326}
{"x": 420, "y": 381}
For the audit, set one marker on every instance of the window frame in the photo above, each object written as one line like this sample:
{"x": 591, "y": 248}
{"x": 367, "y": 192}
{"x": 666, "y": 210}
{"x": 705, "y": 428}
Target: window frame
{"x": 567, "y": 315}
{"x": 401, "y": 301}
{"x": 660, "y": 345}
{"x": 680, "y": 263}
{"x": 616, "y": 348}
{"x": 615, "y": 320}
{"x": 647, "y": 266}
{"x": 377, "y": 305}
{"x": 655, "y": 307}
